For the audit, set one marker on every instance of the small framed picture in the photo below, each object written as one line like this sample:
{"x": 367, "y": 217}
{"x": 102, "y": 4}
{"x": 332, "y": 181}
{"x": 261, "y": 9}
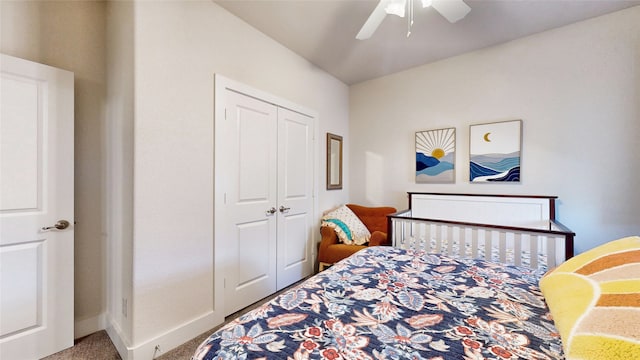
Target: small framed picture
{"x": 435, "y": 156}
{"x": 494, "y": 152}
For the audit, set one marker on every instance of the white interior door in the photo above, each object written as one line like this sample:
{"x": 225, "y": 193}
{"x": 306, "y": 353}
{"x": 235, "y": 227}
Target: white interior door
{"x": 246, "y": 150}
{"x": 36, "y": 174}
{"x": 295, "y": 196}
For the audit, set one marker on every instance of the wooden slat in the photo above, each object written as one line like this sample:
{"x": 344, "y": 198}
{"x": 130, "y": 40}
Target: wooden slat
{"x": 551, "y": 252}
{"x": 449, "y": 237}
{"x": 517, "y": 249}
{"x": 488, "y": 240}
{"x": 502, "y": 246}
{"x": 474, "y": 243}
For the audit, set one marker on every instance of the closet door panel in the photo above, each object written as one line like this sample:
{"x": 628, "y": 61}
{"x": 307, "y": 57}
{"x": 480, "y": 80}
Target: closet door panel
{"x": 253, "y": 268}
{"x": 255, "y": 162}
{"x": 295, "y": 196}
{"x": 292, "y": 248}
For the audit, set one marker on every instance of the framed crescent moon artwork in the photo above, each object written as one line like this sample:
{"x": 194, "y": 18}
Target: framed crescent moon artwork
{"x": 495, "y": 150}
{"x": 435, "y": 156}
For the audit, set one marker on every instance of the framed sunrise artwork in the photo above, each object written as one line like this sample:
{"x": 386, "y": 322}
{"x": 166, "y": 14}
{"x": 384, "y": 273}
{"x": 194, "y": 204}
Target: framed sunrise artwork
{"x": 495, "y": 151}
{"x": 435, "y": 156}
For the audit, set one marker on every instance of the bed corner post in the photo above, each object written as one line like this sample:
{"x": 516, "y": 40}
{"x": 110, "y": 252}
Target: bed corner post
{"x": 389, "y": 229}
{"x": 568, "y": 246}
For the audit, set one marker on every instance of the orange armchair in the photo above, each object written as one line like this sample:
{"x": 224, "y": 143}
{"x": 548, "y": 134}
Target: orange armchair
{"x": 374, "y": 218}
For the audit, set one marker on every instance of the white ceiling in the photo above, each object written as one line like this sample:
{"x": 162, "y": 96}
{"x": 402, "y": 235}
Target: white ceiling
{"x": 323, "y": 31}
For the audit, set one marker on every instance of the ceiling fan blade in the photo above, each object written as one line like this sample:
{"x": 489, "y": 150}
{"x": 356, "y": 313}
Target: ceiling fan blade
{"x": 373, "y": 21}
{"x": 452, "y": 10}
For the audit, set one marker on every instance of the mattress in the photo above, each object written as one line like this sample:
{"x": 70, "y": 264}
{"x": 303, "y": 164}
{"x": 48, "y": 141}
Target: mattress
{"x": 390, "y": 303}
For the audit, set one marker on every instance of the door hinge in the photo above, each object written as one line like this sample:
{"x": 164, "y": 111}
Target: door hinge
{"x": 225, "y": 113}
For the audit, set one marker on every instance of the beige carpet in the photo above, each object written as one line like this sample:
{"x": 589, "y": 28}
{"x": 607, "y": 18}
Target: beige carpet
{"x": 98, "y": 346}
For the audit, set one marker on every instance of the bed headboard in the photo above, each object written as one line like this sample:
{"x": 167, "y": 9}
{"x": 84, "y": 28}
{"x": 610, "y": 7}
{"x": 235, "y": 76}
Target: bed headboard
{"x": 506, "y": 210}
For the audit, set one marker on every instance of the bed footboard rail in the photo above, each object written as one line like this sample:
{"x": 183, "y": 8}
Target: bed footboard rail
{"x": 536, "y": 248}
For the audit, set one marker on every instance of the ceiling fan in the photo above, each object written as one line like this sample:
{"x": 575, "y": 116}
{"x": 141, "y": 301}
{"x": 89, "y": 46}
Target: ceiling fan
{"x": 452, "y": 10}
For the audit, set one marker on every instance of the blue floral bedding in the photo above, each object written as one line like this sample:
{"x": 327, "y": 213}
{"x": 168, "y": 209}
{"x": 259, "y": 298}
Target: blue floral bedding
{"x": 388, "y": 303}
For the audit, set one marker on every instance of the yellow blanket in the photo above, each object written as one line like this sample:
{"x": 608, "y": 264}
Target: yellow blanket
{"x": 594, "y": 299}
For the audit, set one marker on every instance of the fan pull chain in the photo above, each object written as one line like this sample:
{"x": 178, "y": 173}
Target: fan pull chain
{"x": 410, "y": 17}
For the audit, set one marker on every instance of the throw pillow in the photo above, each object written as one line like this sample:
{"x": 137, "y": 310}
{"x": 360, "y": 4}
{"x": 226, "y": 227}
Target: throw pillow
{"x": 594, "y": 299}
{"x": 347, "y": 225}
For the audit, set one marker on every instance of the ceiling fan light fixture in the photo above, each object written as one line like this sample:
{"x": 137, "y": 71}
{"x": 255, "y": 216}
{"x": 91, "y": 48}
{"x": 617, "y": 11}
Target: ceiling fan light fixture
{"x": 396, "y": 7}
{"x": 452, "y": 10}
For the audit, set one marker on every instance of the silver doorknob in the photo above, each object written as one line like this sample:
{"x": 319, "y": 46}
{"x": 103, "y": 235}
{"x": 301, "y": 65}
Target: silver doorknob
{"x": 271, "y": 211}
{"x": 283, "y": 209}
{"x": 60, "y": 225}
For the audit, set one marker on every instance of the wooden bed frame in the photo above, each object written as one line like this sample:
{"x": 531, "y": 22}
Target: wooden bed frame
{"x": 513, "y": 229}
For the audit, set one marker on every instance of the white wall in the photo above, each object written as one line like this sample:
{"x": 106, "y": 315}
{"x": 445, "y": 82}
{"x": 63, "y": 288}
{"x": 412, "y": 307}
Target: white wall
{"x": 119, "y": 174}
{"x": 577, "y": 90}
{"x": 71, "y": 35}
{"x": 178, "y": 47}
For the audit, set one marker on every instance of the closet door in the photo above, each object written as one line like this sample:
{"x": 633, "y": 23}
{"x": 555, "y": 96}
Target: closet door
{"x": 246, "y": 168}
{"x": 295, "y": 196}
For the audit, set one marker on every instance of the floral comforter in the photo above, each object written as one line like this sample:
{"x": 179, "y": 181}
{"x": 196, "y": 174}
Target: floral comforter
{"x": 388, "y": 303}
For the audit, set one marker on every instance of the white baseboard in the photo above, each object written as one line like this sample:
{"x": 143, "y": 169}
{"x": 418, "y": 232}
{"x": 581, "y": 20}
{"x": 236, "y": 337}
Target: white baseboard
{"x": 166, "y": 341}
{"x": 89, "y": 326}
{"x": 118, "y": 339}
